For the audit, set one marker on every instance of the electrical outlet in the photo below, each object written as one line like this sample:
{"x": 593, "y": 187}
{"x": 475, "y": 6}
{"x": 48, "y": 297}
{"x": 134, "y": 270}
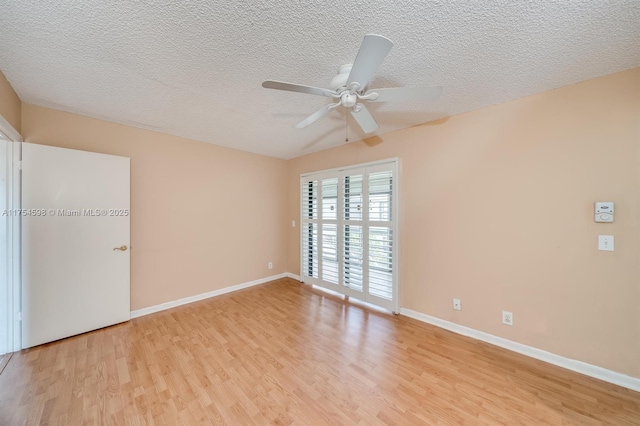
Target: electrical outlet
{"x": 270, "y": 265}
{"x": 456, "y": 304}
{"x": 507, "y": 318}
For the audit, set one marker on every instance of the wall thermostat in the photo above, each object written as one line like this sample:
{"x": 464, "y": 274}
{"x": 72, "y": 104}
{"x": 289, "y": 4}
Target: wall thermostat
{"x": 604, "y": 211}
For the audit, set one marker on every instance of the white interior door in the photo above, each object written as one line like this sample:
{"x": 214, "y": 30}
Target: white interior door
{"x": 75, "y": 242}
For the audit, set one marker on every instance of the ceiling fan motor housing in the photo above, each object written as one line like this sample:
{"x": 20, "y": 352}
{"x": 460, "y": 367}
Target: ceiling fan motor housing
{"x": 340, "y": 79}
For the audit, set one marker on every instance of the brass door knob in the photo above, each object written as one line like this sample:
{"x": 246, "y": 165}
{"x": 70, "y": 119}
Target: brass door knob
{"x": 121, "y": 248}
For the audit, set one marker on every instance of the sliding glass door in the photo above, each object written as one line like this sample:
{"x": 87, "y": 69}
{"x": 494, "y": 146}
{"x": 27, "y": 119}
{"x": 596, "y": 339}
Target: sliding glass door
{"x": 349, "y": 232}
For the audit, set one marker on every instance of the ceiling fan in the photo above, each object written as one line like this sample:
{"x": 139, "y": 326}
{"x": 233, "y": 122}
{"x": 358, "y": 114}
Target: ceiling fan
{"x": 348, "y": 87}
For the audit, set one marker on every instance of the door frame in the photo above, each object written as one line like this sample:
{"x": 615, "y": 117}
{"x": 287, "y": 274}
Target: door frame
{"x": 12, "y": 271}
{"x": 323, "y": 174}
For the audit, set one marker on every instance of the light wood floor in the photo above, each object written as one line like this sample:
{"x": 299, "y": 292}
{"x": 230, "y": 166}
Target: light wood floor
{"x": 4, "y": 360}
{"x": 284, "y": 353}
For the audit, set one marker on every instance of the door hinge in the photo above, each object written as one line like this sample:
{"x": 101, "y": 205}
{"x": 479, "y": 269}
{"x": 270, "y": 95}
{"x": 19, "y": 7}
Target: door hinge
{"x": 18, "y": 316}
{"x": 19, "y": 164}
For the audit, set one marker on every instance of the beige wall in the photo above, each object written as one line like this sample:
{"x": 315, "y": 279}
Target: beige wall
{"x": 497, "y": 210}
{"x": 203, "y": 217}
{"x": 9, "y": 103}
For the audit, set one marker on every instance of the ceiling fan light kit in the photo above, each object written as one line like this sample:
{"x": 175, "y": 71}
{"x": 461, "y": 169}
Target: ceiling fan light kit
{"x": 348, "y": 86}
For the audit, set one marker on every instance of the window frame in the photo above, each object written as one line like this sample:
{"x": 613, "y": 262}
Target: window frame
{"x": 392, "y": 165}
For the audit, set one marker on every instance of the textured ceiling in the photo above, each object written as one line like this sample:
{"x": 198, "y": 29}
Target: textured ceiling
{"x": 194, "y": 68}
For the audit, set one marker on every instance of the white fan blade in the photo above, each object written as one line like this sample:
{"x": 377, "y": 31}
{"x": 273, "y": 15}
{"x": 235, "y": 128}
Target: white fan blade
{"x": 365, "y": 120}
{"x": 300, "y": 88}
{"x": 313, "y": 117}
{"x": 373, "y": 50}
{"x": 406, "y": 94}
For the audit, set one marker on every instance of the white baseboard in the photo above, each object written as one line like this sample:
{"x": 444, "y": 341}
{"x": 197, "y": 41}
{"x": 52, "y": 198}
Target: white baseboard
{"x": 568, "y": 363}
{"x": 168, "y": 305}
{"x": 294, "y": 276}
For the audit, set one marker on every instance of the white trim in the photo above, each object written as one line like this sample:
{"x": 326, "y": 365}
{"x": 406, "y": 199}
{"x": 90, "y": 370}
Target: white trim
{"x": 568, "y": 363}
{"x": 293, "y": 276}
{"x": 14, "y": 269}
{"x": 352, "y": 166}
{"x": 9, "y": 131}
{"x": 16, "y": 242}
{"x": 10, "y": 305}
{"x": 168, "y": 305}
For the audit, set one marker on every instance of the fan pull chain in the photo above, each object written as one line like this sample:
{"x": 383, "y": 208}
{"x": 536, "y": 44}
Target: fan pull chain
{"x": 346, "y": 127}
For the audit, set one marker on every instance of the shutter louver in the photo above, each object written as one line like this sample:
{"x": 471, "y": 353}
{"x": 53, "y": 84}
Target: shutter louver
{"x": 353, "y": 201}
{"x": 310, "y": 251}
{"x": 353, "y": 257}
{"x": 381, "y": 262}
{"x": 380, "y": 237}
{"x": 380, "y": 191}
{"x": 330, "y": 253}
{"x": 330, "y": 199}
{"x": 309, "y": 199}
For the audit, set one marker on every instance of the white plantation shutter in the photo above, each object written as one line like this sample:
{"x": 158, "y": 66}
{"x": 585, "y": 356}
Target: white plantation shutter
{"x": 353, "y": 197}
{"x": 330, "y": 199}
{"x": 353, "y": 257}
{"x": 352, "y": 183}
{"x": 329, "y": 248}
{"x": 381, "y": 234}
{"x": 330, "y": 253}
{"x": 349, "y": 232}
{"x": 309, "y": 197}
{"x": 380, "y": 196}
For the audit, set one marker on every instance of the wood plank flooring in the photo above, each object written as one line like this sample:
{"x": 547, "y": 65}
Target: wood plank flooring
{"x": 4, "y": 360}
{"x": 285, "y": 353}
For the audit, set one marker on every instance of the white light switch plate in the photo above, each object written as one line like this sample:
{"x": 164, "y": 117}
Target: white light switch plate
{"x": 605, "y": 242}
